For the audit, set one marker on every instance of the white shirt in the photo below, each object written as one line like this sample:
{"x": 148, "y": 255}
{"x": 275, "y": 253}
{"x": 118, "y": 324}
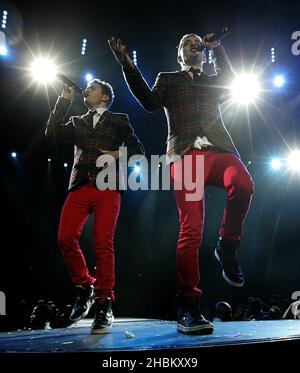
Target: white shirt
{"x": 200, "y": 142}
{"x": 97, "y": 116}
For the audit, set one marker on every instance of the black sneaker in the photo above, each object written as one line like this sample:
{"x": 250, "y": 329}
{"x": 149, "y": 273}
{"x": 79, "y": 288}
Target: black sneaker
{"x": 84, "y": 302}
{"x": 225, "y": 252}
{"x": 190, "y": 319}
{"x": 104, "y": 317}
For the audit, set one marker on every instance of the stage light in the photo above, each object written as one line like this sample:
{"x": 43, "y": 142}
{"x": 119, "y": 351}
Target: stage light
{"x": 245, "y": 89}
{"x": 294, "y": 160}
{"x": 14, "y": 154}
{"x": 65, "y": 165}
{"x": 3, "y": 50}
{"x": 43, "y": 70}
{"x": 276, "y": 164}
{"x": 49, "y": 160}
{"x": 88, "y": 77}
{"x": 4, "y": 19}
{"x": 134, "y": 57}
{"x": 278, "y": 80}
{"x": 272, "y": 55}
{"x": 83, "y": 46}
{"x": 137, "y": 169}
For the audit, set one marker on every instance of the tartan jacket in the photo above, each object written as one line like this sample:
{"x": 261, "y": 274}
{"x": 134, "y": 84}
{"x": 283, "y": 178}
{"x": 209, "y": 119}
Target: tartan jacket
{"x": 111, "y": 131}
{"x": 192, "y": 108}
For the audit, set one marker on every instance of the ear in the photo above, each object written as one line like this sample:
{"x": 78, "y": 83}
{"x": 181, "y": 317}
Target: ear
{"x": 105, "y": 98}
{"x": 179, "y": 59}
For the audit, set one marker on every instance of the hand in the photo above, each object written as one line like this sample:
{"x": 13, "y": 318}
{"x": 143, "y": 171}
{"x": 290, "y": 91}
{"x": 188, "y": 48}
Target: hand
{"x": 68, "y": 93}
{"x": 120, "y": 52}
{"x": 210, "y": 44}
{"x": 108, "y": 156}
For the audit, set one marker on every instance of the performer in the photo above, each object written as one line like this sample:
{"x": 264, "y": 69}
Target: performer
{"x": 191, "y": 101}
{"x": 96, "y": 135}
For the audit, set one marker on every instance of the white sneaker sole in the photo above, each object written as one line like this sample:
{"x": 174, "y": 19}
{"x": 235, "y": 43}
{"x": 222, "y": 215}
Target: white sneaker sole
{"x": 103, "y": 330}
{"x": 200, "y": 329}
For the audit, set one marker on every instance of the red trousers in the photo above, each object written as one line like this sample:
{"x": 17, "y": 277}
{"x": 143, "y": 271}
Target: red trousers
{"x": 80, "y": 203}
{"x": 222, "y": 170}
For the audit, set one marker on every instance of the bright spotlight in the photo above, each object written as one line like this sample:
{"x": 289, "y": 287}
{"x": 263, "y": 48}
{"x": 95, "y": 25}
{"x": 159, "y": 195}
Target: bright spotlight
{"x": 276, "y": 164}
{"x": 278, "y": 80}
{"x": 43, "y": 70}
{"x": 3, "y": 48}
{"x": 88, "y": 77}
{"x": 3, "y": 51}
{"x": 245, "y": 89}
{"x": 294, "y": 160}
{"x": 137, "y": 169}
{"x": 14, "y": 154}
{"x": 65, "y": 165}
{"x": 49, "y": 160}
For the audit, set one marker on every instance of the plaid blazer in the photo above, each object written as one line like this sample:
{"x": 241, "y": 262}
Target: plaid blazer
{"x": 111, "y": 131}
{"x": 192, "y": 108}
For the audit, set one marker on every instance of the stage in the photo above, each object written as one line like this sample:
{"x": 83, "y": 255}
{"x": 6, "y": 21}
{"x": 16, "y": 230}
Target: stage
{"x": 146, "y": 340}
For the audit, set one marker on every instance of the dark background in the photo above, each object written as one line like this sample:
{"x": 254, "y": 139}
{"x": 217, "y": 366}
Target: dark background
{"x": 32, "y": 195}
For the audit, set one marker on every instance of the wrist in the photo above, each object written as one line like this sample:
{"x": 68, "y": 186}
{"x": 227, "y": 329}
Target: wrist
{"x": 128, "y": 65}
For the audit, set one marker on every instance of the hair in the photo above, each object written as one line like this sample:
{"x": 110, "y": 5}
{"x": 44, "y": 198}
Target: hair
{"x": 183, "y": 37}
{"x": 106, "y": 90}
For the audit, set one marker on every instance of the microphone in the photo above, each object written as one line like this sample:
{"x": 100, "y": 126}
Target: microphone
{"x": 217, "y": 36}
{"x": 69, "y": 82}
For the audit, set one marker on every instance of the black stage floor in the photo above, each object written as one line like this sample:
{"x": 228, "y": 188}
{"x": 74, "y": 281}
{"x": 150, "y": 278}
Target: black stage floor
{"x": 145, "y": 340}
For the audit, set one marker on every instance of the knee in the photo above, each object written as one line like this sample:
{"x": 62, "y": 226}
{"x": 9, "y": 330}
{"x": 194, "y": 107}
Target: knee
{"x": 191, "y": 233}
{"x": 242, "y": 187}
{"x": 247, "y": 187}
{"x": 66, "y": 239}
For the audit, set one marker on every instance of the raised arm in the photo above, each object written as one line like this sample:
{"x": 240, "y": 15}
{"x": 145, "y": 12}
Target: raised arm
{"x": 55, "y": 128}
{"x": 150, "y": 99}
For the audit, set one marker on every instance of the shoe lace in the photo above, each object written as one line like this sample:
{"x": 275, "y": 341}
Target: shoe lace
{"x": 100, "y": 315}
{"x": 102, "y": 312}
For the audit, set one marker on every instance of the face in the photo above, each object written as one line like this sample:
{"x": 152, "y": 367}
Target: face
{"x": 189, "y": 55}
{"x": 93, "y": 96}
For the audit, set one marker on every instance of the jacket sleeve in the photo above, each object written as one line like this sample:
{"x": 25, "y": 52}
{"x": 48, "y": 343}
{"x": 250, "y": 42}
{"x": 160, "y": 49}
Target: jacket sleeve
{"x": 131, "y": 141}
{"x": 150, "y": 99}
{"x": 225, "y": 73}
{"x": 222, "y": 64}
{"x": 55, "y": 128}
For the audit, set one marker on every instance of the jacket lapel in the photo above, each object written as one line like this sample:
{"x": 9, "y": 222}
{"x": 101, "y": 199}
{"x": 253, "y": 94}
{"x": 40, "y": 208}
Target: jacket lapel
{"x": 186, "y": 76}
{"x": 86, "y": 118}
{"x": 102, "y": 119}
